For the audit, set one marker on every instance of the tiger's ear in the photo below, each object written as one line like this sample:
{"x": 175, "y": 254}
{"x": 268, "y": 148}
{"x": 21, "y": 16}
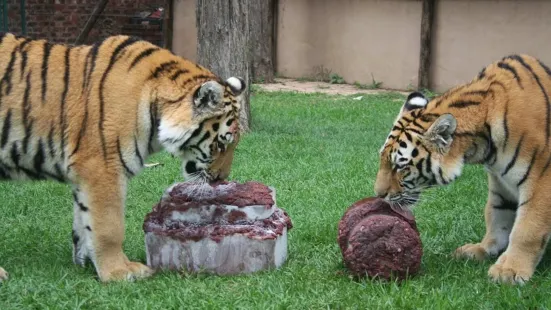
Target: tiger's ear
{"x": 209, "y": 95}
{"x": 440, "y": 133}
{"x": 415, "y": 100}
{"x": 237, "y": 85}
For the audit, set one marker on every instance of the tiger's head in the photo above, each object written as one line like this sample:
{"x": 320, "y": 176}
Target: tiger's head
{"x": 202, "y": 128}
{"x": 416, "y": 154}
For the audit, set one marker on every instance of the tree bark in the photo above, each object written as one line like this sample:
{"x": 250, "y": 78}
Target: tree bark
{"x": 427, "y": 19}
{"x": 223, "y": 43}
{"x": 261, "y": 25}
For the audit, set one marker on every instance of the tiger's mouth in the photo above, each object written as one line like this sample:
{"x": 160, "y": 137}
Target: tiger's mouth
{"x": 404, "y": 200}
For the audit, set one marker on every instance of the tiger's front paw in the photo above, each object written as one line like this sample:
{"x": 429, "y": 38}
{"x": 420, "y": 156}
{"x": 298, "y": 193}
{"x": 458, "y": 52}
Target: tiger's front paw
{"x": 510, "y": 270}
{"x": 473, "y": 251}
{"x": 3, "y": 275}
{"x": 129, "y": 271}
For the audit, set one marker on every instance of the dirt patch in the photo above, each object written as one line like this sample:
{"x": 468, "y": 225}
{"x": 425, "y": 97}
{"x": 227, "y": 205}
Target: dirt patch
{"x": 284, "y": 84}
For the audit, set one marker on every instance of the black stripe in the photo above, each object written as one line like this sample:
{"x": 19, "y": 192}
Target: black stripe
{"x": 482, "y": 73}
{"x": 178, "y": 73}
{"x": 505, "y": 128}
{"x": 527, "y": 173}
{"x": 15, "y": 154}
{"x": 6, "y": 129}
{"x": 429, "y": 117}
{"x": 196, "y": 78}
{"x": 408, "y": 136}
{"x": 546, "y": 166}
{"x": 128, "y": 171}
{"x": 202, "y": 153}
{"x": 63, "y": 118}
{"x": 138, "y": 154}
{"x": 506, "y": 205}
{"x": 463, "y": 104}
{"x": 515, "y": 156}
{"x": 44, "y": 72}
{"x": 415, "y": 123}
{"x": 82, "y": 131}
{"x": 203, "y": 138}
{"x": 6, "y": 79}
{"x": 24, "y": 58}
{"x": 27, "y": 122}
{"x": 492, "y": 149}
{"x": 81, "y": 206}
{"x": 415, "y": 130}
{"x": 162, "y": 67}
{"x": 545, "y": 95}
{"x": 477, "y": 92}
{"x": 507, "y": 67}
{"x": 195, "y": 133}
{"x": 129, "y": 41}
{"x": 93, "y": 55}
{"x": 75, "y": 238}
{"x": 51, "y": 140}
{"x": 60, "y": 175}
{"x": 88, "y": 228}
{"x": 86, "y": 62}
{"x": 525, "y": 202}
{"x": 546, "y": 68}
{"x": 153, "y": 125}
{"x": 499, "y": 195}
{"x": 142, "y": 55}
{"x": 39, "y": 158}
{"x": 28, "y": 134}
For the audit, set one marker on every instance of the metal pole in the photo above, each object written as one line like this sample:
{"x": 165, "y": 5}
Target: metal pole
{"x": 23, "y": 17}
{"x": 5, "y": 15}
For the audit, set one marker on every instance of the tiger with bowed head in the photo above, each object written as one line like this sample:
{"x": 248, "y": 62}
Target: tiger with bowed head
{"x": 91, "y": 115}
{"x": 502, "y": 120}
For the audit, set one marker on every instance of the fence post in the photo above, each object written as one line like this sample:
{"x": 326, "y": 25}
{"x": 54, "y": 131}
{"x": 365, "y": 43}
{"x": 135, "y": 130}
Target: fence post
{"x": 23, "y": 17}
{"x": 427, "y": 19}
{"x": 5, "y": 15}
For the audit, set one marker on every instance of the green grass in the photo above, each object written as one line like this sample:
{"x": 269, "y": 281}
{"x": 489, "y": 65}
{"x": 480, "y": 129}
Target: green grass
{"x": 320, "y": 152}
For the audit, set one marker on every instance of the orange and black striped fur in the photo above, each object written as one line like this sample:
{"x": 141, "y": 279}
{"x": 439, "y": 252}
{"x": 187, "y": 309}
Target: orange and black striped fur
{"x": 91, "y": 115}
{"x": 502, "y": 120}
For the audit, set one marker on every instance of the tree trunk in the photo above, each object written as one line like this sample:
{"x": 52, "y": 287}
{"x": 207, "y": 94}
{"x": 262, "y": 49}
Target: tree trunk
{"x": 427, "y": 19}
{"x": 223, "y": 43}
{"x": 262, "y": 27}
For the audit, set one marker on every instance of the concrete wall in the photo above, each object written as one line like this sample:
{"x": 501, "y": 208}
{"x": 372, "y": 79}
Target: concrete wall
{"x": 184, "y": 35}
{"x": 471, "y": 34}
{"x": 357, "y": 38}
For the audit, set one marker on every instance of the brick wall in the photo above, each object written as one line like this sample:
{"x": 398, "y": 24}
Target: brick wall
{"x": 62, "y": 20}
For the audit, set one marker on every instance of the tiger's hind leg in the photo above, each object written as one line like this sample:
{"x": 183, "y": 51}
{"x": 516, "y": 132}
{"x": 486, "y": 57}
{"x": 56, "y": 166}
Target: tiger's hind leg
{"x": 499, "y": 216}
{"x": 101, "y": 225}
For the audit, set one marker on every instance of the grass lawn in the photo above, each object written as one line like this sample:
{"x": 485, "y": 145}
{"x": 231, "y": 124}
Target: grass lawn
{"x": 320, "y": 152}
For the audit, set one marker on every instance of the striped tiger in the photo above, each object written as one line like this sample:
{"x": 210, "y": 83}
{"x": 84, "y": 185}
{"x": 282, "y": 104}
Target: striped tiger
{"x": 501, "y": 119}
{"x": 90, "y": 115}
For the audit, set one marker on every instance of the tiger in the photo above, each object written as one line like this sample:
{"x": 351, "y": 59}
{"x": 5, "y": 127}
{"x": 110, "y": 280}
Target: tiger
{"x": 500, "y": 119}
{"x": 90, "y": 115}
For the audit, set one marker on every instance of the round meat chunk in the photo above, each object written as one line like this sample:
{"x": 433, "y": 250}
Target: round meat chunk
{"x": 379, "y": 241}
